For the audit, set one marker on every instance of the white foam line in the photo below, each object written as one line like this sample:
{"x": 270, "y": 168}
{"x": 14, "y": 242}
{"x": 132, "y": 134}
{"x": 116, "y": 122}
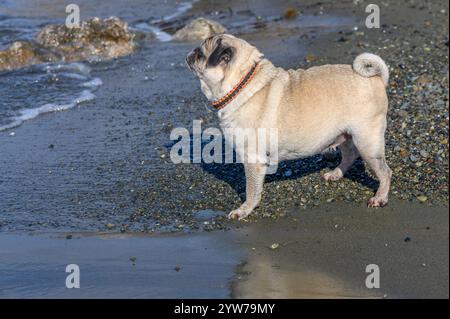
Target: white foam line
{"x": 74, "y": 66}
{"x": 28, "y": 114}
{"x": 184, "y": 7}
{"x": 93, "y": 83}
{"x": 160, "y": 34}
{"x": 75, "y": 76}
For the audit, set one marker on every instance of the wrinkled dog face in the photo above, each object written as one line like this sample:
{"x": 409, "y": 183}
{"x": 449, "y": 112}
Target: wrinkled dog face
{"x": 221, "y": 58}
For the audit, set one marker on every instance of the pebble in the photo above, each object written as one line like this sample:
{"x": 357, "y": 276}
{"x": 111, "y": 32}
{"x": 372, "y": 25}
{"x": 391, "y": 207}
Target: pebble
{"x": 288, "y": 173}
{"x": 424, "y": 153}
{"x": 422, "y": 198}
{"x": 291, "y": 13}
{"x": 110, "y": 226}
{"x": 274, "y": 246}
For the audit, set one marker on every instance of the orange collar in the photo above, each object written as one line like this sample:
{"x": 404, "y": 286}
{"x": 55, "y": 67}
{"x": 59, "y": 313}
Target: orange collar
{"x": 224, "y": 101}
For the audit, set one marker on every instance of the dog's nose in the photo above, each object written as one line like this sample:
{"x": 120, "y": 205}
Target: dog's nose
{"x": 192, "y": 56}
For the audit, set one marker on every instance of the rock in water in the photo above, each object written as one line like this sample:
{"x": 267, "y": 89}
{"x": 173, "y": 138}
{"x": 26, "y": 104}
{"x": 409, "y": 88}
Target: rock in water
{"x": 199, "y": 29}
{"x": 290, "y": 13}
{"x": 17, "y": 55}
{"x": 23, "y": 53}
{"x": 94, "y": 39}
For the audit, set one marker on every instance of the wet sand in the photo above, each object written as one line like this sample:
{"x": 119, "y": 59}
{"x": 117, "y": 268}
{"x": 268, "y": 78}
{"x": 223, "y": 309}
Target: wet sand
{"x": 118, "y": 266}
{"x": 323, "y": 253}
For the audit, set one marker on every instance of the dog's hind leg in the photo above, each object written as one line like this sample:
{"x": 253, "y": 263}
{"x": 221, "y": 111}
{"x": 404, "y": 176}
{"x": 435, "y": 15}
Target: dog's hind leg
{"x": 370, "y": 144}
{"x": 349, "y": 155}
{"x": 254, "y": 176}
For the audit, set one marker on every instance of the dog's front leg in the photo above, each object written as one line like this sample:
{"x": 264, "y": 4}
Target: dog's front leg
{"x": 254, "y": 178}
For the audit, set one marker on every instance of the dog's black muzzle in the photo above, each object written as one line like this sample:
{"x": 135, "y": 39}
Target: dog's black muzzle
{"x": 192, "y": 57}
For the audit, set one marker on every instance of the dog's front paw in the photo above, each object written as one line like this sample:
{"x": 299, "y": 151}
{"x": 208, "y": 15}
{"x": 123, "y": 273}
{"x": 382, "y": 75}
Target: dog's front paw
{"x": 376, "y": 202}
{"x": 240, "y": 213}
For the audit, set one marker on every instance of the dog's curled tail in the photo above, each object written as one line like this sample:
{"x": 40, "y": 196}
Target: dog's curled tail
{"x": 368, "y": 65}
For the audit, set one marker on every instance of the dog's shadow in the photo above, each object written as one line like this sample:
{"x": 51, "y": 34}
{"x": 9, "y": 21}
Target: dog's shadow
{"x": 233, "y": 173}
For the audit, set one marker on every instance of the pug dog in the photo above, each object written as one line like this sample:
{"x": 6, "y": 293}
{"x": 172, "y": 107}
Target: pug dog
{"x": 312, "y": 109}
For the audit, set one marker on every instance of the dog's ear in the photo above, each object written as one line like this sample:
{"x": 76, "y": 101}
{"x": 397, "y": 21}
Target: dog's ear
{"x": 222, "y": 53}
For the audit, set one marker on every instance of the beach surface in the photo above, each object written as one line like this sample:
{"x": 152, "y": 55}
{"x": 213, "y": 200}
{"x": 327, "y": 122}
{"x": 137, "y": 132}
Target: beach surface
{"x": 94, "y": 184}
{"x": 322, "y": 253}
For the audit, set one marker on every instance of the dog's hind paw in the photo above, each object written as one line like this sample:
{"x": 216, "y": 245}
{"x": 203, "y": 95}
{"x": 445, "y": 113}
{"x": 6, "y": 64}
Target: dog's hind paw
{"x": 334, "y": 175}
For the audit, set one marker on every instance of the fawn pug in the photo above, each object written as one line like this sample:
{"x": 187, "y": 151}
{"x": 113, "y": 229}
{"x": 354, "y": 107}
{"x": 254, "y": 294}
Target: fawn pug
{"x": 326, "y": 106}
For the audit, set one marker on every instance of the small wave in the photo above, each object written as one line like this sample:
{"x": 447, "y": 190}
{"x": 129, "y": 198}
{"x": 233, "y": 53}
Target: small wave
{"x": 73, "y": 67}
{"x": 28, "y": 114}
{"x": 160, "y": 34}
{"x": 182, "y": 8}
{"x": 93, "y": 83}
{"x": 75, "y": 76}
{"x": 54, "y": 86}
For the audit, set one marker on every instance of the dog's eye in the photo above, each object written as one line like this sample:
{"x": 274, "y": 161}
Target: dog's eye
{"x": 219, "y": 55}
{"x": 226, "y": 58}
{"x": 226, "y": 55}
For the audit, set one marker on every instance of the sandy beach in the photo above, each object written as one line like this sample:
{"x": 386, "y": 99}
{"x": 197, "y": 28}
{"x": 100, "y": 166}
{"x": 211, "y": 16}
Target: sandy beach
{"x": 94, "y": 184}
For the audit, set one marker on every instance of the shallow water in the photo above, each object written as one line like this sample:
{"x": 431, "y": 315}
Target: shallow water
{"x": 199, "y": 266}
{"x": 35, "y": 90}
{"x": 29, "y": 92}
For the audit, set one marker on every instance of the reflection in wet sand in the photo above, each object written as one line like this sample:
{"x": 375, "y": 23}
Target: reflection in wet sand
{"x": 324, "y": 252}
{"x": 267, "y": 279}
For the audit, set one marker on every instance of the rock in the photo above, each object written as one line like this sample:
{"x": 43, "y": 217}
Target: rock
{"x": 424, "y": 153}
{"x": 288, "y": 173}
{"x": 422, "y": 198}
{"x": 110, "y": 226}
{"x": 423, "y": 80}
{"x": 403, "y": 153}
{"x": 199, "y": 29}
{"x": 274, "y": 246}
{"x": 310, "y": 58}
{"x": 291, "y": 13}
{"x": 402, "y": 113}
{"x": 21, "y": 54}
{"x": 95, "y": 38}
